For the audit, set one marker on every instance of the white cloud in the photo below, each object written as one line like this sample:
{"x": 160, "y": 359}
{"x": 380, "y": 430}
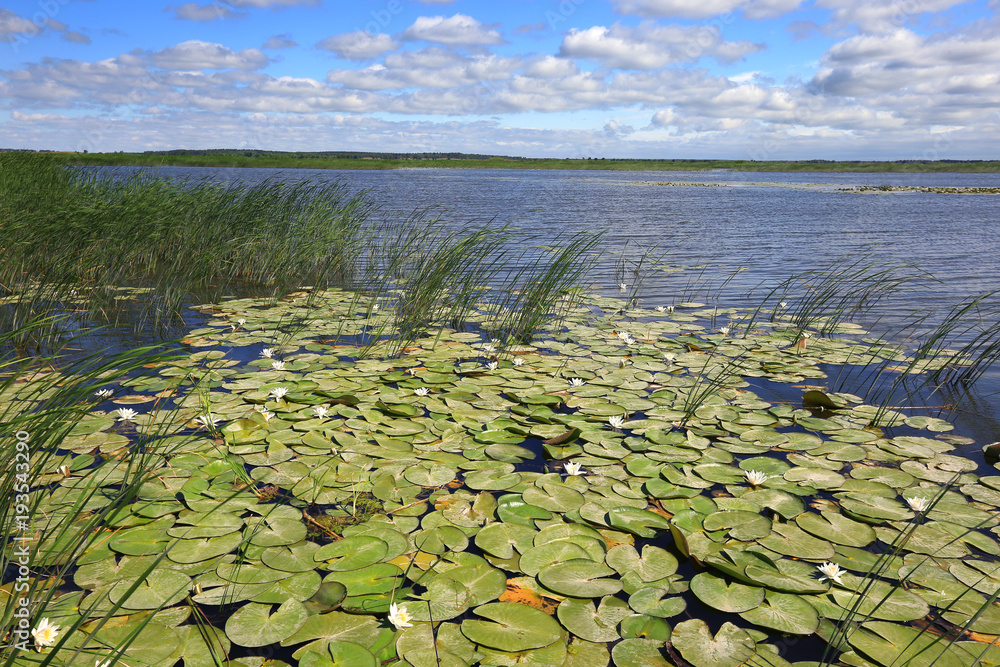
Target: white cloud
{"x": 76, "y": 37}
{"x": 958, "y": 69}
{"x": 550, "y": 66}
{"x": 677, "y": 8}
{"x": 260, "y": 4}
{"x": 192, "y": 11}
{"x": 429, "y": 68}
{"x": 12, "y": 26}
{"x": 359, "y": 45}
{"x": 196, "y": 55}
{"x": 880, "y": 17}
{"x": 769, "y": 9}
{"x": 284, "y": 41}
{"x": 650, "y": 46}
{"x": 457, "y": 30}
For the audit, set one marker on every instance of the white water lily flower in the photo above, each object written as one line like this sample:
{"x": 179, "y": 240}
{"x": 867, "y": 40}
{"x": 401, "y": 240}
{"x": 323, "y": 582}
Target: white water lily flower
{"x": 518, "y": 361}
{"x": 279, "y": 393}
{"x": 623, "y": 286}
{"x": 831, "y": 571}
{"x": 489, "y": 348}
{"x": 320, "y": 411}
{"x": 266, "y": 415}
{"x": 670, "y": 309}
{"x": 670, "y": 356}
{"x": 278, "y": 365}
{"x": 45, "y": 634}
{"x": 399, "y": 617}
{"x": 241, "y": 321}
{"x": 624, "y": 335}
{"x": 64, "y": 471}
{"x": 755, "y": 477}
{"x": 267, "y": 353}
{"x": 783, "y": 304}
{"x": 576, "y": 382}
{"x": 206, "y": 421}
{"x": 126, "y": 414}
{"x": 616, "y": 422}
{"x": 573, "y": 468}
{"x": 661, "y": 309}
{"x": 493, "y": 365}
{"x": 103, "y": 393}
{"x": 724, "y": 331}
{"x": 421, "y": 391}
{"x": 918, "y": 504}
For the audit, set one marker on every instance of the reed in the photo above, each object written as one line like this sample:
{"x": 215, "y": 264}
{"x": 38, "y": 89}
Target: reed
{"x": 43, "y": 398}
{"x": 133, "y": 248}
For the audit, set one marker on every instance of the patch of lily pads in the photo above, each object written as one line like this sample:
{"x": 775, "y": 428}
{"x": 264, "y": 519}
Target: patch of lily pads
{"x": 613, "y": 493}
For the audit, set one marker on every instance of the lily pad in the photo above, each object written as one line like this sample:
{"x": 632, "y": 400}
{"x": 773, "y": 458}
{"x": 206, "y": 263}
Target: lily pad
{"x": 511, "y": 627}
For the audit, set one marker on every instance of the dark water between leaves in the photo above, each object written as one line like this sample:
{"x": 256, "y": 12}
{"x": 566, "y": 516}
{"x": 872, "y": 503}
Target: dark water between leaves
{"x": 737, "y": 233}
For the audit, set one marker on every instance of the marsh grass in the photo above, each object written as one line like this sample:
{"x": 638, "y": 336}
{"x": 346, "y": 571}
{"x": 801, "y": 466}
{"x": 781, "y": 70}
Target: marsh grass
{"x": 43, "y": 398}
{"x": 853, "y": 618}
{"x": 121, "y": 247}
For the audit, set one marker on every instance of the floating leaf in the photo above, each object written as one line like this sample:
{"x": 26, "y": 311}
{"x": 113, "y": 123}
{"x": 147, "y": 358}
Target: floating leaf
{"x": 511, "y": 627}
{"x": 255, "y": 625}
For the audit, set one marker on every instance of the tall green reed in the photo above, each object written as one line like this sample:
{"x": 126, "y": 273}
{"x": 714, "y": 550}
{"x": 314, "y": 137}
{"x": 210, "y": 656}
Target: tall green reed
{"x": 121, "y": 245}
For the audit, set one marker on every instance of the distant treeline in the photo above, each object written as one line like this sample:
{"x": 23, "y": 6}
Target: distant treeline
{"x": 233, "y": 157}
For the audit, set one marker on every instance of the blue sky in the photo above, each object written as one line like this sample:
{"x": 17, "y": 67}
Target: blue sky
{"x": 743, "y": 79}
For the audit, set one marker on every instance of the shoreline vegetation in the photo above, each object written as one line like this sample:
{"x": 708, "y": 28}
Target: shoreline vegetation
{"x": 424, "y": 444}
{"x": 369, "y": 160}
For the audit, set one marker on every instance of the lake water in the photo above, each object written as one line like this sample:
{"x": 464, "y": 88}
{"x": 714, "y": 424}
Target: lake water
{"x": 751, "y": 230}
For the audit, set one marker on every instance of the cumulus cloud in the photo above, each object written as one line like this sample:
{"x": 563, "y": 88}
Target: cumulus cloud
{"x": 550, "y": 66}
{"x": 615, "y": 129}
{"x": 650, "y": 46}
{"x": 191, "y": 11}
{"x": 457, "y": 30}
{"x": 359, "y": 45}
{"x": 13, "y": 26}
{"x": 769, "y": 9}
{"x": 880, "y": 17}
{"x": 261, "y": 4}
{"x": 197, "y": 55}
{"x": 677, "y": 8}
{"x": 429, "y": 68}
{"x": 76, "y": 37}
{"x": 948, "y": 68}
{"x": 284, "y": 41}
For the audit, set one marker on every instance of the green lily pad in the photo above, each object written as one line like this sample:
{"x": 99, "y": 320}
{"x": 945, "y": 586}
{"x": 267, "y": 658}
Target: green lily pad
{"x": 784, "y": 613}
{"x": 352, "y": 553}
{"x": 160, "y": 588}
{"x": 730, "y": 647}
{"x": 500, "y": 539}
{"x": 639, "y": 653}
{"x": 580, "y": 578}
{"x": 579, "y": 617}
{"x": 511, "y": 627}
{"x": 729, "y": 596}
{"x": 255, "y": 625}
